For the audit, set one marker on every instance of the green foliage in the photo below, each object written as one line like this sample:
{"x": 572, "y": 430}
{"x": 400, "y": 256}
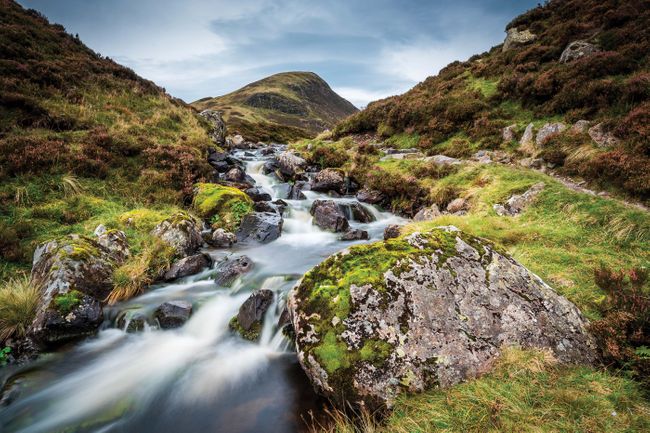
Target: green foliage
{"x": 4, "y": 355}
{"x": 224, "y": 206}
{"x": 67, "y": 302}
{"x": 252, "y": 334}
{"x": 18, "y": 302}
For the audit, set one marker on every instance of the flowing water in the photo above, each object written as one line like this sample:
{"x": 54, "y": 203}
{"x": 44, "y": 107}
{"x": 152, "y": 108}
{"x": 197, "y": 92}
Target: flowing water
{"x": 197, "y": 378}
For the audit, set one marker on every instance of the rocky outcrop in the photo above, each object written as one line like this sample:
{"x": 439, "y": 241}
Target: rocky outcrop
{"x": 329, "y": 179}
{"x": 527, "y": 139}
{"x": 427, "y": 213}
{"x": 443, "y": 160}
{"x": 182, "y": 232}
{"x": 458, "y": 205}
{"x": 289, "y": 164}
{"x": 577, "y": 50}
{"x": 547, "y": 131}
{"x": 114, "y": 241}
{"x": 370, "y": 196}
{"x": 217, "y": 126}
{"x": 517, "y": 38}
{"x": 509, "y": 133}
{"x": 328, "y": 216}
{"x": 231, "y": 269}
{"x": 260, "y": 227}
{"x": 421, "y": 311}
{"x": 173, "y": 314}
{"x": 601, "y": 137}
{"x": 248, "y": 321}
{"x": 187, "y": 266}
{"x": 518, "y": 202}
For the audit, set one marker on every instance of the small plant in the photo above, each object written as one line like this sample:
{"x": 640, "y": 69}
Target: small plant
{"x": 4, "y": 356}
{"x": 71, "y": 186}
{"x": 67, "y": 302}
{"x": 18, "y": 302}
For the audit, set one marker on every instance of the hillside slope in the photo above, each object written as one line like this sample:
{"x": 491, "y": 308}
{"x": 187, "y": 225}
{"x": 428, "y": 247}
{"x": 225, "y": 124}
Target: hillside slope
{"x": 606, "y": 82}
{"x": 82, "y": 139}
{"x": 281, "y": 107}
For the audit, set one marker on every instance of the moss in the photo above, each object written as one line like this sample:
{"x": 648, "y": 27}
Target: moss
{"x": 332, "y": 353}
{"x": 67, "y": 302}
{"x": 222, "y": 205}
{"x": 252, "y": 334}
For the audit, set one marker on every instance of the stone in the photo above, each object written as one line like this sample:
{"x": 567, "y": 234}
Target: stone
{"x": 182, "y": 232}
{"x": 401, "y": 156}
{"x": 238, "y": 142}
{"x": 217, "y": 126}
{"x": 173, "y": 314}
{"x": 260, "y": 227}
{"x": 427, "y": 213}
{"x": 355, "y": 211}
{"x": 531, "y": 162}
{"x": 518, "y": 202}
{"x": 115, "y": 242}
{"x": 354, "y": 235}
{"x": 223, "y": 239}
{"x": 329, "y": 179}
{"x": 258, "y": 194}
{"x": 328, "y": 216}
{"x": 236, "y": 175}
{"x": 130, "y": 321}
{"x": 231, "y": 269}
{"x": 392, "y": 231}
{"x": 577, "y": 50}
{"x": 457, "y": 205}
{"x": 253, "y": 309}
{"x": 517, "y": 38}
{"x": 187, "y": 266}
{"x": 370, "y": 196}
{"x": 580, "y": 127}
{"x": 439, "y": 311}
{"x": 527, "y": 139}
{"x": 547, "y": 131}
{"x": 509, "y": 133}
{"x": 602, "y": 138}
{"x": 443, "y": 160}
{"x": 289, "y": 164}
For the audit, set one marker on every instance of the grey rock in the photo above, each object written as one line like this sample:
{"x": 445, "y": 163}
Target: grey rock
{"x": 173, "y": 314}
{"x": 182, "y": 232}
{"x": 132, "y": 321}
{"x": 218, "y": 126}
{"x": 580, "y": 127}
{"x": 518, "y": 202}
{"x": 328, "y": 216}
{"x": 427, "y": 213}
{"x": 577, "y": 50}
{"x": 260, "y": 227}
{"x": 254, "y": 308}
{"x": 509, "y": 133}
{"x": 327, "y": 180}
{"x": 355, "y": 211}
{"x": 527, "y": 139}
{"x": 289, "y": 164}
{"x": 457, "y": 205}
{"x": 115, "y": 242}
{"x": 187, "y": 266}
{"x": 547, "y": 131}
{"x": 354, "y": 235}
{"x": 236, "y": 175}
{"x": 392, "y": 231}
{"x": 443, "y": 160}
{"x": 601, "y": 137}
{"x": 223, "y": 239}
{"x": 531, "y": 162}
{"x": 370, "y": 196}
{"x": 517, "y": 38}
{"x": 231, "y": 269}
{"x": 258, "y": 194}
{"x": 400, "y": 156}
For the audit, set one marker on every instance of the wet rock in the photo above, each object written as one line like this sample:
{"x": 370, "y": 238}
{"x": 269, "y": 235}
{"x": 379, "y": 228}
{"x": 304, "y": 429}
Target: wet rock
{"x": 59, "y": 325}
{"x": 509, "y": 133}
{"x": 260, "y": 227}
{"x": 281, "y": 205}
{"x": 355, "y": 211}
{"x": 115, "y": 242}
{"x": 370, "y": 196}
{"x": 258, "y": 194}
{"x": 457, "y": 205}
{"x": 354, "y": 235}
{"x": 173, "y": 314}
{"x": 577, "y": 50}
{"x": 328, "y": 216}
{"x": 223, "y": 239}
{"x": 250, "y": 317}
{"x": 289, "y": 164}
{"x": 392, "y": 231}
{"x": 601, "y": 137}
{"x": 265, "y": 206}
{"x": 438, "y": 315}
{"x": 547, "y": 131}
{"x": 518, "y": 202}
{"x": 182, "y": 232}
{"x": 292, "y": 191}
{"x": 427, "y": 213}
{"x": 132, "y": 321}
{"x": 516, "y": 38}
{"x": 327, "y": 180}
{"x": 187, "y": 266}
{"x": 269, "y": 167}
{"x": 231, "y": 269}
{"x": 236, "y": 175}
{"x": 443, "y": 160}
{"x": 217, "y": 126}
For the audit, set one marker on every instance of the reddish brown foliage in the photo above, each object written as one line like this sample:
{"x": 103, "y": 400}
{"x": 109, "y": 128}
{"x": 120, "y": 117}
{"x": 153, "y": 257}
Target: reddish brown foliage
{"x": 183, "y": 166}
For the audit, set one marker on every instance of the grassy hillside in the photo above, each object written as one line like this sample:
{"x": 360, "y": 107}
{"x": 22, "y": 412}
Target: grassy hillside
{"x": 281, "y": 107}
{"x": 468, "y": 104}
{"x": 83, "y": 140}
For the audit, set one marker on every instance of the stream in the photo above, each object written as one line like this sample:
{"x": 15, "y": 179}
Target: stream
{"x": 200, "y": 377}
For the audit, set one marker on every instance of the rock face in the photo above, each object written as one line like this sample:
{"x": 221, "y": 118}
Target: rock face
{"x": 517, "y": 38}
{"x": 518, "y": 202}
{"x": 329, "y": 179}
{"x": 527, "y": 138}
{"x": 258, "y": 194}
{"x": 188, "y": 266}
{"x": 509, "y": 133}
{"x": 427, "y": 214}
{"x": 577, "y": 50}
{"x": 114, "y": 241}
{"x": 289, "y": 164}
{"x": 425, "y": 310}
{"x": 260, "y": 227}
{"x": 547, "y": 131}
{"x": 328, "y": 216}
{"x": 173, "y": 314}
{"x": 218, "y": 126}
{"x": 182, "y": 232}
{"x": 74, "y": 276}
{"x": 229, "y": 270}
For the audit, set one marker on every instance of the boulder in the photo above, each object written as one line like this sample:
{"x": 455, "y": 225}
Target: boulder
{"x": 238, "y": 142}
{"x": 443, "y": 160}
{"x": 427, "y": 213}
{"x": 531, "y": 162}
{"x": 580, "y": 127}
{"x": 260, "y": 227}
{"x": 433, "y": 310}
{"x": 115, "y": 242}
{"x": 292, "y": 191}
{"x": 518, "y": 202}
{"x": 187, "y": 266}
{"x": 223, "y": 239}
{"x": 231, "y": 269}
{"x": 328, "y": 216}
{"x": 404, "y": 155}
{"x": 547, "y": 131}
{"x": 182, "y": 232}
{"x": 355, "y": 211}
{"x": 258, "y": 194}
{"x": 517, "y": 38}
{"x": 527, "y": 139}
{"x": 370, "y": 196}
{"x": 457, "y": 205}
{"x": 223, "y": 206}
{"x": 219, "y": 160}
{"x": 601, "y": 137}
{"x": 217, "y": 126}
{"x": 236, "y": 175}
{"x": 131, "y": 321}
{"x": 392, "y": 231}
{"x": 289, "y": 164}
{"x": 577, "y": 50}
{"x": 354, "y": 235}
{"x": 329, "y": 179}
{"x": 249, "y": 320}
{"x": 509, "y": 133}
{"x": 173, "y": 314}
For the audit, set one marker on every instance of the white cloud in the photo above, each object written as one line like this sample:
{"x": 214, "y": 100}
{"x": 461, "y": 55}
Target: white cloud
{"x": 361, "y": 97}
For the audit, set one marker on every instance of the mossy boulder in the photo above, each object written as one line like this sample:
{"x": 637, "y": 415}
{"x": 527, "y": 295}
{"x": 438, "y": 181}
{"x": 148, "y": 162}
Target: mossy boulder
{"x": 182, "y": 232}
{"x": 423, "y": 310}
{"x": 222, "y": 206}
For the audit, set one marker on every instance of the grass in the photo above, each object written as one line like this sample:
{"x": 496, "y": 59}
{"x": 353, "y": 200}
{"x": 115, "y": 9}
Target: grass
{"x": 486, "y": 87}
{"x": 18, "y": 303}
{"x": 222, "y": 205}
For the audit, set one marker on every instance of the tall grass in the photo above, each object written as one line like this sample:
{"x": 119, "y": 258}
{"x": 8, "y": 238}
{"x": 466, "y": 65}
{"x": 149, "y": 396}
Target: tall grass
{"x": 18, "y": 303}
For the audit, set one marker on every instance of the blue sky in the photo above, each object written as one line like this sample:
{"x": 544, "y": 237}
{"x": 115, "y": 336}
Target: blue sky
{"x": 365, "y": 49}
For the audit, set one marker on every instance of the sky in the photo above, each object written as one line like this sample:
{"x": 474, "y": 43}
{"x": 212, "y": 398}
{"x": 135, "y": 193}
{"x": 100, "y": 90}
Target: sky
{"x": 365, "y": 49}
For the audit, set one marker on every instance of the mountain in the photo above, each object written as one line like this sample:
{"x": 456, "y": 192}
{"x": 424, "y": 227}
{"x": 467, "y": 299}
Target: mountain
{"x": 282, "y": 107}
{"x": 565, "y": 61}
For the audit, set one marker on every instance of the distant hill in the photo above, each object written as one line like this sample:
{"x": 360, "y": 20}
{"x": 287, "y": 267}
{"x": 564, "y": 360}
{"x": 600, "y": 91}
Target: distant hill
{"x": 281, "y": 107}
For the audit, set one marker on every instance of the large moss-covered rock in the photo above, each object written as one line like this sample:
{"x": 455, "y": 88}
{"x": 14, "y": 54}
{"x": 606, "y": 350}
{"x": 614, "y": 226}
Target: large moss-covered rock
{"x": 180, "y": 231}
{"x": 223, "y": 206}
{"x": 423, "y": 310}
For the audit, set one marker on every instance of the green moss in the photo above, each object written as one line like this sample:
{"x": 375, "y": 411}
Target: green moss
{"x": 253, "y": 334}
{"x": 67, "y": 302}
{"x": 486, "y": 87}
{"x": 375, "y": 350}
{"x": 332, "y": 353}
{"x": 222, "y": 205}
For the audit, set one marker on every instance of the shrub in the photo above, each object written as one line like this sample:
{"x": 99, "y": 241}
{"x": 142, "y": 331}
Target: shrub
{"x": 183, "y": 166}
{"x": 18, "y": 303}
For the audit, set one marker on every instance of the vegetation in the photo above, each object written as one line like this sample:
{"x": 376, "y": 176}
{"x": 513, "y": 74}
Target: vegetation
{"x": 224, "y": 206}
{"x": 280, "y": 108}
{"x": 18, "y": 303}
{"x": 67, "y": 302}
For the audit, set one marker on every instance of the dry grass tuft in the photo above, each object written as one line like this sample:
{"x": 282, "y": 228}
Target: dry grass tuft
{"x": 18, "y": 302}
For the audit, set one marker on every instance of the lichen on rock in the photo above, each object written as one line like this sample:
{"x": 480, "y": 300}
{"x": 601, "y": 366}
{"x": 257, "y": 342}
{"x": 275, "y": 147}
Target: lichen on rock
{"x": 423, "y": 310}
